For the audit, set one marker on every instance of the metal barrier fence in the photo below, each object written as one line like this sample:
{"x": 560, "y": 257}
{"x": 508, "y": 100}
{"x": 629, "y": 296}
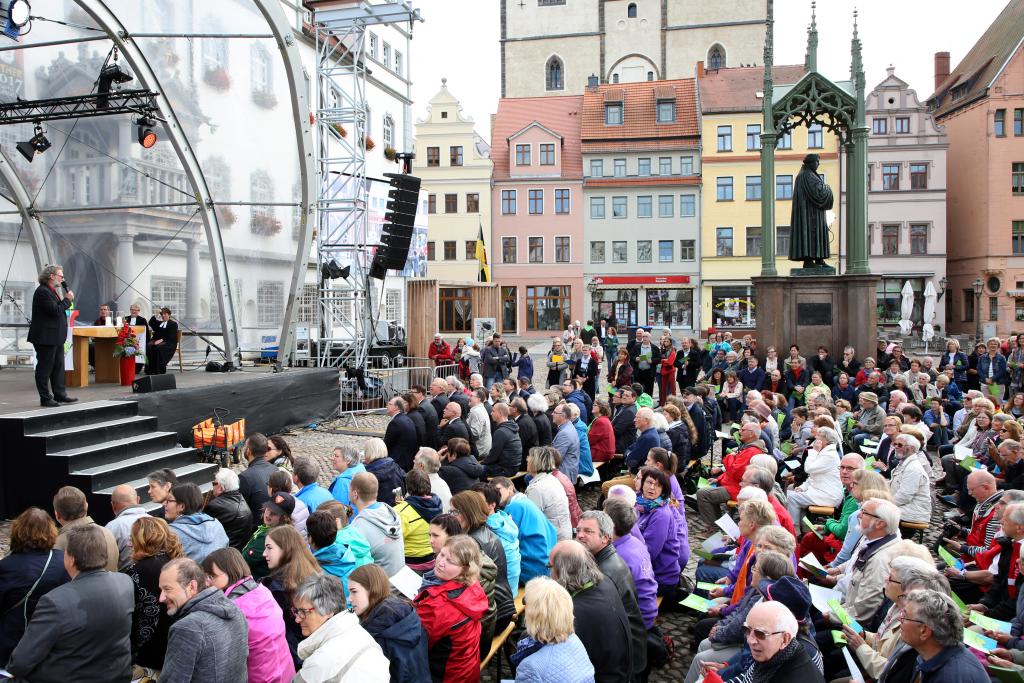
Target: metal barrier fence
{"x": 380, "y": 384}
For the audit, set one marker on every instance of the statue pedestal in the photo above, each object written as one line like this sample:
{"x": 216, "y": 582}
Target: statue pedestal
{"x": 811, "y": 311}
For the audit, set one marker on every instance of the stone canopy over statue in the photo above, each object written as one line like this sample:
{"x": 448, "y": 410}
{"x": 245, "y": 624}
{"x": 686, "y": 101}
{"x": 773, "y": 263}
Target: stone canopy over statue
{"x": 809, "y": 239}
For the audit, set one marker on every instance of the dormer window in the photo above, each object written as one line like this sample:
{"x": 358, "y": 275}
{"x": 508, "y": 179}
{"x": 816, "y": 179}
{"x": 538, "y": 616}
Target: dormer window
{"x": 666, "y": 111}
{"x": 613, "y": 113}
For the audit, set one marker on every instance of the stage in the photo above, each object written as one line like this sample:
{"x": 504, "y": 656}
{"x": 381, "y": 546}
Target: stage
{"x": 270, "y": 402}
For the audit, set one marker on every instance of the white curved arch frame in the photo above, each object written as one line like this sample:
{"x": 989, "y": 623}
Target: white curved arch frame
{"x": 41, "y": 246}
{"x": 110, "y": 23}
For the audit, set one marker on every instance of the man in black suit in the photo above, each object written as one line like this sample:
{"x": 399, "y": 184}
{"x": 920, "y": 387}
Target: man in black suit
{"x": 48, "y": 332}
{"x": 453, "y": 426}
{"x": 439, "y": 396}
{"x": 400, "y": 436}
{"x": 252, "y": 481}
{"x": 80, "y": 631}
{"x": 163, "y": 341}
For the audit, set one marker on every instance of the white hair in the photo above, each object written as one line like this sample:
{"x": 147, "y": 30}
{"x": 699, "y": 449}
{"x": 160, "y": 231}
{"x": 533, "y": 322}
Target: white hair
{"x": 888, "y": 513}
{"x": 780, "y": 617}
{"x": 227, "y": 479}
{"x": 659, "y": 422}
{"x": 766, "y": 461}
{"x": 478, "y": 376}
{"x": 537, "y": 403}
{"x": 751, "y": 493}
{"x": 572, "y": 410}
{"x": 829, "y": 435}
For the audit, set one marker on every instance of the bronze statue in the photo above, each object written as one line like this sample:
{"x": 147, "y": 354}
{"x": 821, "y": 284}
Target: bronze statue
{"x": 808, "y": 240}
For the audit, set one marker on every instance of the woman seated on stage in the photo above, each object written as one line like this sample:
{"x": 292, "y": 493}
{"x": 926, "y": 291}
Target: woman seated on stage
{"x": 162, "y": 342}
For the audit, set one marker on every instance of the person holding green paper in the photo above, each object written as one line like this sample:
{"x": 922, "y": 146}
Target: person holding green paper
{"x": 992, "y": 371}
{"x": 866, "y": 571}
{"x": 931, "y": 624}
{"x": 833, "y": 531}
{"x": 1000, "y": 601}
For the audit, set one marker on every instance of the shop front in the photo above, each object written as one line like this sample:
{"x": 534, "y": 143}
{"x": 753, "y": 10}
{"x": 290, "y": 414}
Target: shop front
{"x": 733, "y": 307}
{"x": 644, "y": 300}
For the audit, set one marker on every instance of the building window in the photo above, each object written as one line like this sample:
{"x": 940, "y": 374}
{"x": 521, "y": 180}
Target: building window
{"x": 536, "y": 250}
{"x": 666, "y": 206}
{"x": 1017, "y": 177}
{"x": 687, "y": 205}
{"x": 643, "y": 251}
{"x": 890, "y": 240}
{"x": 880, "y": 126}
{"x": 562, "y": 201}
{"x": 889, "y": 299}
{"x": 666, "y": 251}
{"x": 620, "y": 168}
{"x": 665, "y": 166}
{"x": 597, "y": 207}
{"x": 456, "y": 309}
{"x": 723, "y": 242}
{"x": 670, "y": 307}
{"x": 548, "y": 308}
{"x": 536, "y": 198}
{"x": 509, "y": 310}
{"x": 785, "y": 140}
{"x": 1018, "y": 122}
{"x": 373, "y": 46}
{"x": 643, "y": 167}
{"x": 918, "y": 239}
{"x": 554, "y": 79}
{"x": 753, "y": 136}
{"x": 262, "y": 73}
{"x": 815, "y": 138}
{"x": 890, "y": 177}
{"x": 431, "y": 251}
{"x": 431, "y": 203}
{"x": 1018, "y": 310}
{"x": 508, "y": 202}
{"x": 509, "y": 250}
{"x": 1018, "y": 238}
{"x": 597, "y": 168}
{"x": 650, "y": 75}
{"x": 389, "y": 132}
{"x": 724, "y": 189}
{"x": 449, "y": 250}
{"x": 725, "y": 138}
{"x": 547, "y": 154}
{"x": 597, "y": 252}
{"x": 472, "y": 202}
{"x": 455, "y": 154}
{"x": 644, "y": 206}
{"x": 562, "y": 249}
{"x": 470, "y": 250}
{"x": 918, "y": 176}
{"x": 686, "y": 165}
{"x": 753, "y": 241}
{"x": 999, "y": 123}
{"x": 620, "y": 252}
{"x": 782, "y": 240}
{"x": 733, "y": 307}
{"x": 451, "y": 203}
{"x": 968, "y": 305}
{"x": 433, "y": 157}
{"x": 783, "y": 187}
{"x": 687, "y": 250}
{"x": 902, "y": 125}
{"x": 387, "y": 55}
{"x": 716, "y": 58}
{"x": 993, "y": 308}
{"x": 613, "y": 114}
{"x": 666, "y": 111}
{"x": 631, "y": 10}
{"x": 619, "y": 209}
{"x": 215, "y": 58}
{"x": 269, "y": 303}
{"x": 170, "y": 292}
{"x": 753, "y": 187}
{"x": 522, "y": 155}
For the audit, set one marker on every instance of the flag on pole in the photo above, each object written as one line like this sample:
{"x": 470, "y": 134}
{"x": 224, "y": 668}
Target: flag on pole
{"x": 481, "y": 257}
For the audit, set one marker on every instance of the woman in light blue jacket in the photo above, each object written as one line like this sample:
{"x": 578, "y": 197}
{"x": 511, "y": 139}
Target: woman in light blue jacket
{"x": 345, "y": 461}
{"x": 551, "y": 652}
{"x": 199, "y": 533}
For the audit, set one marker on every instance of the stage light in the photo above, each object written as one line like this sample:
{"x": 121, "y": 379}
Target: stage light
{"x": 332, "y": 271}
{"x": 110, "y": 74}
{"x": 37, "y": 145}
{"x": 14, "y": 15}
{"x": 147, "y": 136}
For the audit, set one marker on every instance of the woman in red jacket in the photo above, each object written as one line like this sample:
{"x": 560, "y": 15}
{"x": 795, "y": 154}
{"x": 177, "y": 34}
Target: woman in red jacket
{"x": 601, "y": 435}
{"x": 451, "y": 604}
{"x": 666, "y": 370}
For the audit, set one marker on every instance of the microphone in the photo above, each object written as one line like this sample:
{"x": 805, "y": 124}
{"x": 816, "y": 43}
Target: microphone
{"x": 64, "y": 284}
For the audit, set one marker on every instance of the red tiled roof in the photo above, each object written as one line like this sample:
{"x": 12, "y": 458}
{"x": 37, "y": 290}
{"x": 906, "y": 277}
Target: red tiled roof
{"x": 640, "y": 111}
{"x": 984, "y": 62}
{"x": 735, "y": 89}
{"x": 559, "y": 114}
{"x": 635, "y": 182}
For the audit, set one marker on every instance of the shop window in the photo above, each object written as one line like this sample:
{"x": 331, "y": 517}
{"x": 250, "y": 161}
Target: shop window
{"x": 670, "y": 307}
{"x": 733, "y": 307}
{"x": 548, "y": 308}
{"x": 889, "y": 299}
{"x": 618, "y": 307}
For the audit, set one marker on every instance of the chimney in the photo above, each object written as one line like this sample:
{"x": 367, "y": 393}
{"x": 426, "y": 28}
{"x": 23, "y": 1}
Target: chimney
{"x": 700, "y": 69}
{"x": 941, "y": 68}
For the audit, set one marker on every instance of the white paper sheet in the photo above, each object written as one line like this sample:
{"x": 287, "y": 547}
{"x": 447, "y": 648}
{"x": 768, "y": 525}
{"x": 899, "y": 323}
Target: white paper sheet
{"x": 407, "y": 582}
{"x": 821, "y": 595}
{"x": 961, "y": 452}
{"x": 726, "y": 524}
{"x": 712, "y": 542}
{"x": 855, "y": 674}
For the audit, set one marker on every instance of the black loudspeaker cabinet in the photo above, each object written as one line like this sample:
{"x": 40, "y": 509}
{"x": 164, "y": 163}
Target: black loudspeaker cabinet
{"x": 148, "y": 383}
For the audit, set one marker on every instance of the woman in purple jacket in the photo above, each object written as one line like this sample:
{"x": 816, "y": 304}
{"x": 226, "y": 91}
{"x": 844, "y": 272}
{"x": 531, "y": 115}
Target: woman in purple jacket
{"x": 658, "y": 525}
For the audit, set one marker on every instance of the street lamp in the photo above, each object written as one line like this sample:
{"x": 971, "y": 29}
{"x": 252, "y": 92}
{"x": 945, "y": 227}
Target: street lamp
{"x": 979, "y": 287}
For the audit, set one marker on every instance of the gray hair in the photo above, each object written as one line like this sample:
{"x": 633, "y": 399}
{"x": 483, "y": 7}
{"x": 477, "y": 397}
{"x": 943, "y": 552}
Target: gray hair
{"x": 914, "y": 577}
{"x": 760, "y": 477}
{"x": 778, "y": 537}
{"x": 323, "y": 592}
{"x": 888, "y": 513}
{"x": 47, "y": 272}
{"x": 1011, "y": 445}
{"x": 537, "y": 403}
{"x": 659, "y": 422}
{"x": 904, "y": 437}
{"x": 939, "y": 613}
{"x": 604, "y": 522}
{"x": 428, "y": 459}
{"x": 374, "y": 449}
{"x": 781, "y": 618}
{"x": 227, "y": 479}
{"x": 1014, "y": 513}
{"x": 478, "y": 376}
{"x": 574, "y": 567}
{"x": 829, "y": 435}
{"x": 572, "y": 410}
{"x": 350, "y": 454}
{"x": 751, "y": 493}
{"x": 773, "y": 565}
{"x": 1011, "y": 496}
{"x": 621, "y": 514}
{"x": 766, "y": 461}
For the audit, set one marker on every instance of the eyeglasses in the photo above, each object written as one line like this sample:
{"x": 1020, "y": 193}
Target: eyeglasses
{"x": 892, "y": 580}
{"x": 168, "y": 499}
{"x": 865, "y": 512}
{"x": 301, "y": 613}
{"x": 759, "y": 633}
{"x": 902, "y": 616}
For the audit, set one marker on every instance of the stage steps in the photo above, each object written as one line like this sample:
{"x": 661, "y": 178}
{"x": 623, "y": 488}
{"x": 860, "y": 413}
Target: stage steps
{"x": 95, "y": 446}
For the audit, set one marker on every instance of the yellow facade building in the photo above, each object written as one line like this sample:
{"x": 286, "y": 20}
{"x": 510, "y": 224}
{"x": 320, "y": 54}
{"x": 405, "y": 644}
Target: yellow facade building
{"x": 454, "y": 163}
{"x": 731, "y": 118}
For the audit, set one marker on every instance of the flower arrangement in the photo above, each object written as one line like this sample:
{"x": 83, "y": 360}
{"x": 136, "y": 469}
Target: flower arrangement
{"x": 370, "y": 144}
{"x": 217, "y": 78}
{"x": 263, "y": 224}
{"x": 127, "y": 344}
{"x": 265, "y": 99}
{"x": 390, "y": 153}
{"x": 340, "y": 130}
{"x": 225, "y": 216}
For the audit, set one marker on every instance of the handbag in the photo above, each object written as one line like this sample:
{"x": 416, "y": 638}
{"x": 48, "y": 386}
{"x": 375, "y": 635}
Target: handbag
{"x": 23, "y": 603}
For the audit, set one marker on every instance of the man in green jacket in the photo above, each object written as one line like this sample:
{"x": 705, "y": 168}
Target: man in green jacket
{"x": 825, "y": 540}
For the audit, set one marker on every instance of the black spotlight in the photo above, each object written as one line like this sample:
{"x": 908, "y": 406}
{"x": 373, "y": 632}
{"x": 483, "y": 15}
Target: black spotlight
{"x": 332, "y": 271}
{"x": 37, "y": 145}
{"x": 111, "y": 73}
{"x": 147, "y": 136}
{"x": 14, "y": 15}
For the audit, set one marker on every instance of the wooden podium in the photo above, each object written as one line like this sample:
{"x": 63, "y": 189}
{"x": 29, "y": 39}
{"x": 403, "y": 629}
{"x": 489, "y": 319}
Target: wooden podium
{"x": 108, "y": 368}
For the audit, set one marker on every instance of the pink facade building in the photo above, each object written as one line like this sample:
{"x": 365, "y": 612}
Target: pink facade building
{"x": 981, "y": 105}
{"x": 537, "y": 219}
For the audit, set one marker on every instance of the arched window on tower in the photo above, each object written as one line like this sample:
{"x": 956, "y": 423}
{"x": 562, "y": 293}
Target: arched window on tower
{"x": 554, "y": 70}
{"x": 716, "y": 58}
{"x": 631, "y": 10}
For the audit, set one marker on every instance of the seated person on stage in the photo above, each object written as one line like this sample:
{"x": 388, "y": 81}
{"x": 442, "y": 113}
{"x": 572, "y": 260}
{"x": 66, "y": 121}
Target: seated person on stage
{"x": 162, "y": 342}
{"x": 104, "y": 314}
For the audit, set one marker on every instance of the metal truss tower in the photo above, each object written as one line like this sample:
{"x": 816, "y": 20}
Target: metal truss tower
{"x": 346, "y": 307}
